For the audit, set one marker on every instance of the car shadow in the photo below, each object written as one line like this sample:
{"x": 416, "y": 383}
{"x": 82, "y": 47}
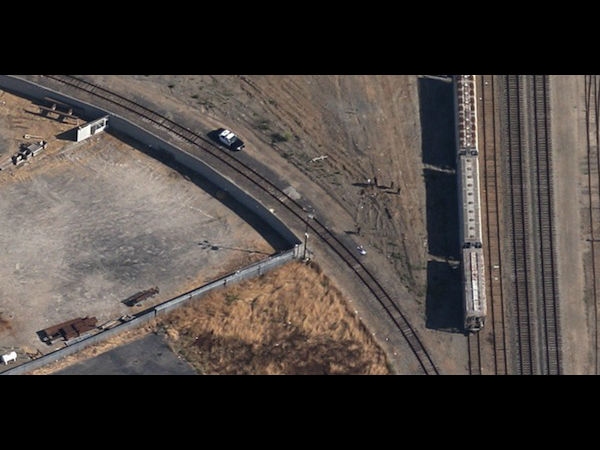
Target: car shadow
{"x": 214, "y": 136}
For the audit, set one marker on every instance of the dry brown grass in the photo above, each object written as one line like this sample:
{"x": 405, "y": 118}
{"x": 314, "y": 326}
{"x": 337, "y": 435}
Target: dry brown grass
{"x": 291, "y": 320}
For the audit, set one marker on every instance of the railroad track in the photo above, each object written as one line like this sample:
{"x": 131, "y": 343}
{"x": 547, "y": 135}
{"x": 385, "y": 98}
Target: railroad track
{"x": 128, "y": 109}
{"x": 496, "y": 359}
{"x": 528, "y": 160}
{"x": 519, "y": 219}
{"x": 547, "y": 280}
{"x": 474, "y": 354}
{"x": 592, "y": 121}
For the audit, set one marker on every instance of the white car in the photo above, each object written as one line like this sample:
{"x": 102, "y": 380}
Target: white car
{"x": 361, "y": 250}
{"x": 229, "y": 138}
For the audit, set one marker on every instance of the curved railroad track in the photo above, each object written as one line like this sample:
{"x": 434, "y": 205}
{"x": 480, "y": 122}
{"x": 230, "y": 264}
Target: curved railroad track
{"x": 127, "y": 108}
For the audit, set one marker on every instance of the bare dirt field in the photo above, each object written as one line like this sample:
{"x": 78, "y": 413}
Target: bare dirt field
{"x": 574, "y": 267}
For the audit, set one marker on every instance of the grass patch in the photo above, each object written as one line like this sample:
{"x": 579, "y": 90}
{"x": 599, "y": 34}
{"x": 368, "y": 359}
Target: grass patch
{"x": 278, "y": 137}
{"x": 231, "y": 297}
{"x": 263, "y": 124}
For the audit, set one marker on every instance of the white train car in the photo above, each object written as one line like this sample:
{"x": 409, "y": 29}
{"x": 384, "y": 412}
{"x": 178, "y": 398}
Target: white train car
{"x": 465, "y": 96}
{"x": 467, "y": 165}
{"x": 469, "y": 199}
{"x": 475, "y": 304}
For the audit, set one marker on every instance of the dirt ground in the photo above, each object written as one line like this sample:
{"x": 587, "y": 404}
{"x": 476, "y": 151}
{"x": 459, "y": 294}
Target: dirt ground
{"x": 570, "y": 181}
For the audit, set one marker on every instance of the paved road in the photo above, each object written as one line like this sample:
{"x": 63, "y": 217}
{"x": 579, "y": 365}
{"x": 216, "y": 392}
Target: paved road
{"x": 148, "y": 355}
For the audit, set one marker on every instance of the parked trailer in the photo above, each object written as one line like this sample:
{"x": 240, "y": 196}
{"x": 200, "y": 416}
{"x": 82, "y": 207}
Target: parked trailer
{"x": 34, "y": 148}
{"x": 139, "y": 297}
{"x": 28, "y": 150}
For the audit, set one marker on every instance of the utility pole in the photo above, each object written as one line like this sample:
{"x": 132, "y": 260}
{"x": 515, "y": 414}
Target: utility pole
{"x": 305, "y": 244}
{"x": 310, "y": 217}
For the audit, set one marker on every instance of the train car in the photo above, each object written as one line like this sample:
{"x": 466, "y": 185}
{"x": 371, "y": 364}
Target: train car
{"x": 467, "y": 169}
{"x": 475, "y": 304}
{"x": 469, "y": 199}
{"x": 466, "y": 113}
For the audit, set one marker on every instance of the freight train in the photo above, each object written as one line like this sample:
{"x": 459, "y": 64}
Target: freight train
{"x": 467, "y": 165}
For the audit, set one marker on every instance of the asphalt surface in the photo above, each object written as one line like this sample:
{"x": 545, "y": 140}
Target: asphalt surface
{"x": 149, "y": 355}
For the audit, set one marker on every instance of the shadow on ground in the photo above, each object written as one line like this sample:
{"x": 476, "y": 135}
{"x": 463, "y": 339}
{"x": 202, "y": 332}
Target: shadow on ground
{"x": 444, "y": 297}
{"x": 443, "y": 307}
{"x": 278, "y": 243}
{"x": 149, "y": 355}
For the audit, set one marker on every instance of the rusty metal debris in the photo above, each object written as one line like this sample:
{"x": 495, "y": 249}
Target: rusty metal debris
{"x": 69, "y": 329}
{"x": 138, "y": 297}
